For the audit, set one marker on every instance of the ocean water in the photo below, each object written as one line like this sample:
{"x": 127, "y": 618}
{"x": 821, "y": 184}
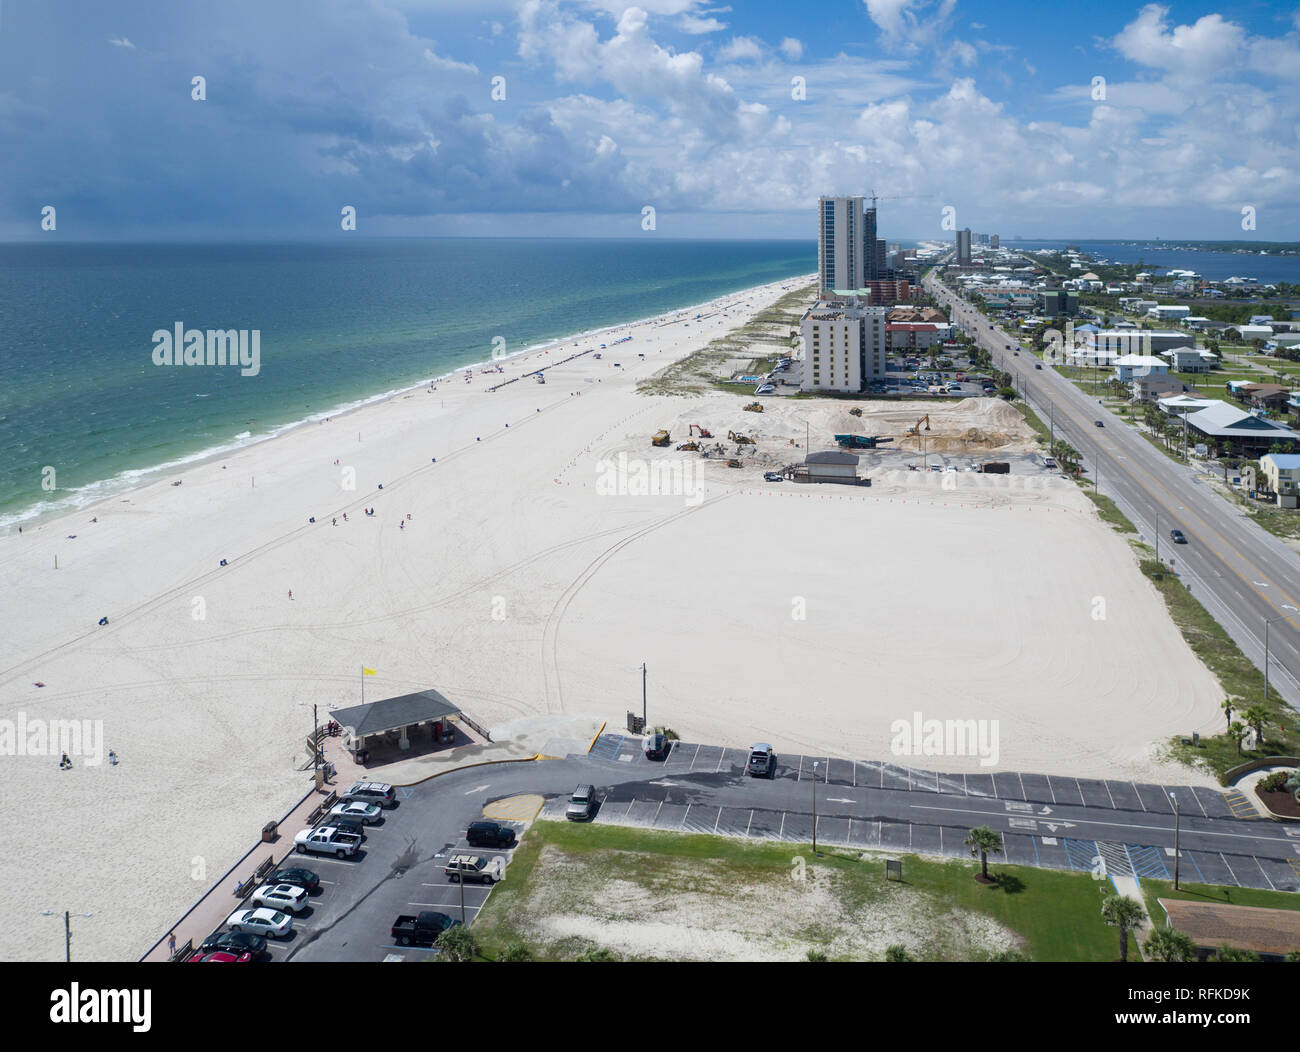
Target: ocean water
{"x": 340, "y": 323}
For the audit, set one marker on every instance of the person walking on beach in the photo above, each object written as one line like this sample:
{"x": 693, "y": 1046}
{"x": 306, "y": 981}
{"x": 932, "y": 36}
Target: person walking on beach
{"x": 65, "y": 764}
{"x": 334, "y": 521}
{"x": 171, "y": 944}
{"x": 290, "y": 593}
{"x": 112, "y": 758}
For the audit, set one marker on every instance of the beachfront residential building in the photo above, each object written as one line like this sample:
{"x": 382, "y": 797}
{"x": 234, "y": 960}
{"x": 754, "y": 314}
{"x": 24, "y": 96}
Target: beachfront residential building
{"x": 843, "y": 342}
{"x": 1169, "y": 312}
{"x": 889, "y": 290}
{"x": 840, "y": 243}
{"x": 1182, "y": 404}
{"x": 918, "y": 336}
{"x": 1255, "y": 332}
{"x": 1156, "y": 387}
{"x": 1105, "y": 344}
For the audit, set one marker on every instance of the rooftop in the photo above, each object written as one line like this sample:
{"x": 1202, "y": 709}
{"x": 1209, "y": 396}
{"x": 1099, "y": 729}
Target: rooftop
{"x": 1257, "y": 928}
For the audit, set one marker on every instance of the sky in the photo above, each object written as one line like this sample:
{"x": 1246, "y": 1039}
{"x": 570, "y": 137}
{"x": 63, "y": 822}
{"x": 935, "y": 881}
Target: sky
{"x": 573, "y": 117}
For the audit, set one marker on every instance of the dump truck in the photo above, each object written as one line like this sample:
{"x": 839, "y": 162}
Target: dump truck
{"x": 661, "y": 438}
{"x": 860, "y": 441}
{"x": 995, "y": 467}
{"x": 754, "y": 407}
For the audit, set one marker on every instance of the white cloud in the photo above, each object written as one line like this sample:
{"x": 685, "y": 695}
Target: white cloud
{"x": 1208, "y": 47}
{"x": 121, "y": 42}
{"x": 792, "y": 48}
{"x": 448, "y": 65}
{"x": 697, "y": 26}
{"x": 741, "y": 48}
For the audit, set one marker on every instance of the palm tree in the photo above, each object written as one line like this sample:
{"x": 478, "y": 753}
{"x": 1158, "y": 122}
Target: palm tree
{"x": 1256, "y": 718}
{"x": 1226, "y": 706}
{"x": 1169, "y": 944}
{"x": 1293, "y": 783}
{"x": 1119, "y": 911}
{"x": 982, "y": 840}
{"x": 1237, "y": 732}
{"x": 1229, "y": 953}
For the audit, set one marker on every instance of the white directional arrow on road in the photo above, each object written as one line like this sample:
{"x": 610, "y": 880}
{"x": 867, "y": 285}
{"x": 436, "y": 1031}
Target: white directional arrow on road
{"x": 1045, "y": 811}
{"x": 838, "y": 800}
{"x": 664, "y": 782}
{"x": 1054, "y": 826}
{"x": 476, "y": 789}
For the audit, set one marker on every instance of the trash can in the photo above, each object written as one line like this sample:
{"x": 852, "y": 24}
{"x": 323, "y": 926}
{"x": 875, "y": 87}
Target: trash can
{"x": 269, "y": 831}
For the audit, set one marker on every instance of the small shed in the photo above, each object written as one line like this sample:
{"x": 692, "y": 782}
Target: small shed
{"x": 1271, "y": 933}
{"x": 832, "y": 465}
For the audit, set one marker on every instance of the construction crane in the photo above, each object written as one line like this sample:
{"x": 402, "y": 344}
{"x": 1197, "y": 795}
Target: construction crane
{"x": 915, "y": 429}
{"x": 704, "y": 431}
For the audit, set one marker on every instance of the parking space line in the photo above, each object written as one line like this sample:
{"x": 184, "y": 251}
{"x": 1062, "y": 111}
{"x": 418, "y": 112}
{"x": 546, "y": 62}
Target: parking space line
{"x": 1204, "y": 813}
{"x": 430, "y": 905}
{"x": 1229, "y": 868}
{"x": 781, "y": 833}
{"x": 855, "y": 774}
{"x": 1108, "y": 795}
{"x": 1023, "y": 794}
{"x": 965, "y": 788}
{"x": 717, "y": 820}
{"x": 684, "y": 814}
{"x": 721, "y": 756}
{"x": 750, "y": 822}
{"x": 1198, "y": 868}
{"x": 849, "y": 838}
{"x": 657, "y": 810}
{"x": 1139, "y": 795}
{"x": 1271, "y": 885}
{"x": 697, "y": 755}
{"x": 630, "y": 805}
{"x": 799, "y": 777}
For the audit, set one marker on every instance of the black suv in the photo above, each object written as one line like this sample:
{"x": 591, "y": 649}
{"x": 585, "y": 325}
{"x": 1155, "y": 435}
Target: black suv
{"x": 489, "y": 834}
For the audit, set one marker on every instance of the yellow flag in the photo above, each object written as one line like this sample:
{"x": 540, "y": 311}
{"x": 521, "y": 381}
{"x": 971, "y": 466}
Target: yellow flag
{"x": 369, "y": 672}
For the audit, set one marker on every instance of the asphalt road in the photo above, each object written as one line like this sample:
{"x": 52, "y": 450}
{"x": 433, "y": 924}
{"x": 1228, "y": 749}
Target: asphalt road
{"x": 1240, "y": 573}
{"x": 1103, "y": 827}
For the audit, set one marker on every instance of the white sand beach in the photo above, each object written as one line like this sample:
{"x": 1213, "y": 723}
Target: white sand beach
{"x": 811, "y": 617}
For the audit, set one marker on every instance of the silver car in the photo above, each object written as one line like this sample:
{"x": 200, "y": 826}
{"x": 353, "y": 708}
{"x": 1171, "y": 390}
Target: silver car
{"x": 582, "y": 804}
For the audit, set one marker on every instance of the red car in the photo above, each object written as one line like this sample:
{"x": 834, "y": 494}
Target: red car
{"x": 222, "y": 957}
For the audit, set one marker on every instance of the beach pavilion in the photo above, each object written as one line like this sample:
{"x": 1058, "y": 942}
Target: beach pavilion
{"x": 394, "y": 722}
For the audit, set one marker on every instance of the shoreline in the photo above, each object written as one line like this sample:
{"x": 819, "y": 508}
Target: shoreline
{"x": 44, "y": 512}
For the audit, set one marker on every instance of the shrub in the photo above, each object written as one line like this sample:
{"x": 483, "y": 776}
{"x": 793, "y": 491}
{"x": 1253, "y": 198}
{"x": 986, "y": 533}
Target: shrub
{"x": 457, "y": 944}
{"x": 898, "y": 954}
{"x": 1275, "y": 782}
{"x": 598, "y": 955}
{"x": 816, "y": 956}
{"x": 514, "y": 952}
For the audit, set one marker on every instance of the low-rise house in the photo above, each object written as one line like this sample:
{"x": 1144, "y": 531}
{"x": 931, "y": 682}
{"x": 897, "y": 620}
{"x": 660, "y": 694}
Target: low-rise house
{"x": 1264, "y": 395}
{"x": 1131, "y": 366}
{"x": 1154, "y": 388}
{"x": 1182, "y": 404}
{"x": 1169, "y": 312}
{"x": 1282, "y": 476}
{"x": 1271, "y": 933}
{"x": 1255, "y": 332}
{"x": 1189, "y": 359}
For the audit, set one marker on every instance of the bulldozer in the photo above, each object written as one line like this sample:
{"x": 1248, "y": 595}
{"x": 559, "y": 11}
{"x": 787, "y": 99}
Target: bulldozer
{"x": 739, "y": 439}
{"x": 661, "y": 438}
{"x": 915, "y": 429}
{"x": 754, "y": 407}
{"x": 855, "y": 412}
{"x": 704, "y": 431}
{"x": 733, "y": 463}
{"x": 691, "y": 447}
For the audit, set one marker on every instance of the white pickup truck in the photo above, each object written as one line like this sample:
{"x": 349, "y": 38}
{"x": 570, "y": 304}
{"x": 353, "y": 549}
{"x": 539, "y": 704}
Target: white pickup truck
{"x": 326, "y": 840}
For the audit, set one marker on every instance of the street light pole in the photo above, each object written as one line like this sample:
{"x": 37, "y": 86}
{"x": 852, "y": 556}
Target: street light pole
{"x": 67, "y": 930}
{"x": 1178, "y": 824}
{"x": 643, "y": 710}
{"x": 816, "y": 764}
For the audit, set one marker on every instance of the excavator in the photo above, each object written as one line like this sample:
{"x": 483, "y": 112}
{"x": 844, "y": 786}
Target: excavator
{"x": 704, "y": 431}
{"x": 739, "y": 439}
{"x": 692, "y": 446}
{"x": 661, "y": 438}
{"x": 754, "y": 407}
{"x": 915, "y": 429}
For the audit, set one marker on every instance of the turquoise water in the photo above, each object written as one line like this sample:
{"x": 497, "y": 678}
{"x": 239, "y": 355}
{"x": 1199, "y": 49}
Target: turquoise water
{"x": 339, "y": 323}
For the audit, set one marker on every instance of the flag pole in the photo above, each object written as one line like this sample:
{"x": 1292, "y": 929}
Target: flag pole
{"x": 363, "y": 684}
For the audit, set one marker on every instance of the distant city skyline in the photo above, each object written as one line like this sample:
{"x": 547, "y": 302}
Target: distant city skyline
{"x": 668, "y": 118}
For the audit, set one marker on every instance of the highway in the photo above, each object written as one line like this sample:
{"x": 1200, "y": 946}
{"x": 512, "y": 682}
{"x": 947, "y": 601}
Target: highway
{"x": 1242, "y": 574}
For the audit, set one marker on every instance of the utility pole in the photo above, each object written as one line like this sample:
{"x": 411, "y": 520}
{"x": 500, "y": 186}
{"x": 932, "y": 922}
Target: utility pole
{"x": 643, "y": 709}
{"x": 315, "y": 744}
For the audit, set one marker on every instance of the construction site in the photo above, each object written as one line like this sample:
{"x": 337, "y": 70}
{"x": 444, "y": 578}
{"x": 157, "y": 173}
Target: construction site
{"x": 777, "y": 435}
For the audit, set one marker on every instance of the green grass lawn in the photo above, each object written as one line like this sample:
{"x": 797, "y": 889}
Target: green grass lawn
{"x": 1056, "y": 915}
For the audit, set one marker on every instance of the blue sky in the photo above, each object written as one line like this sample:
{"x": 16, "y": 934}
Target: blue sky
{"x": 681, "y": 105}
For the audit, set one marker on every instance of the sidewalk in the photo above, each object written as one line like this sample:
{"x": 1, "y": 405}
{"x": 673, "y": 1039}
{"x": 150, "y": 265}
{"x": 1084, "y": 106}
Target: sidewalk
{"x": 533, "y": 738}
